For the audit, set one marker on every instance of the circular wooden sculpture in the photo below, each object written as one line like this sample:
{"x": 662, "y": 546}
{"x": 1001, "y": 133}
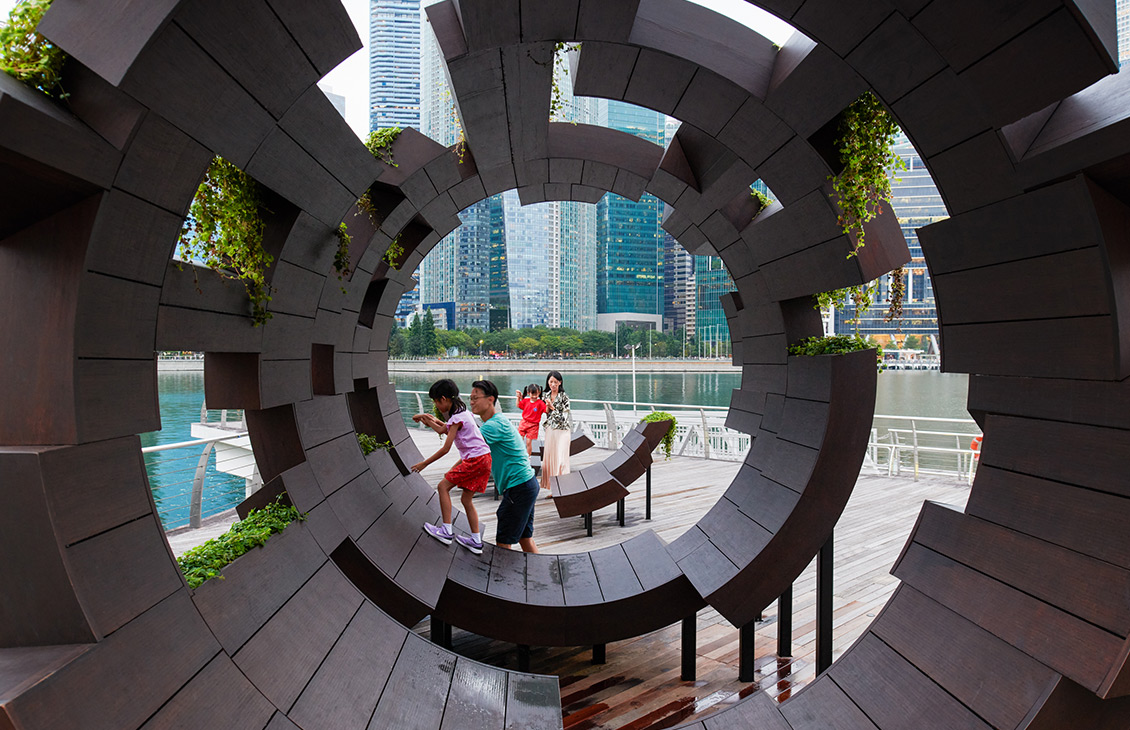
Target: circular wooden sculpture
{"x": 1011, "y": 614}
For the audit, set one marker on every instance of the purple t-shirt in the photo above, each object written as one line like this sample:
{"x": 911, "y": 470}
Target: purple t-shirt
{"x": 468, "y": 440}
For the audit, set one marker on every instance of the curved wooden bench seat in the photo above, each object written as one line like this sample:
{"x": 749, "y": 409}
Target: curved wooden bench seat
{"x": 599, "y": 485}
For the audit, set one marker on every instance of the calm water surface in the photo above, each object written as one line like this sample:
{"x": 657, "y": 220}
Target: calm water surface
{"x": 181, "y": 394}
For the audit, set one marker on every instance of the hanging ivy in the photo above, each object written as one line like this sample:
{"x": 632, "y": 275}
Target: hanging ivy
{"x": 897, "y": 294}
{"x": 341, "y": 256}
{"x": 224, "y": 231}
{"x": 835, "y": 345}
{"x": 28, "y": 56}
{"x": 763, "y": 200}
{"x": 379, "y": 144}
{"x": 557, "y": 100}
{"x": 369, "y": 443}
{"x": 867, "y": 134}
{"x": 669, "y": 437}
{"x": 393, "y": 254}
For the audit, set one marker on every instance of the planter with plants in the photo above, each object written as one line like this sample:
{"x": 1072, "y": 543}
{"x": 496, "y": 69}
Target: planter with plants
{"x": 656, "y": 435}
{"x": 206, "y": 561}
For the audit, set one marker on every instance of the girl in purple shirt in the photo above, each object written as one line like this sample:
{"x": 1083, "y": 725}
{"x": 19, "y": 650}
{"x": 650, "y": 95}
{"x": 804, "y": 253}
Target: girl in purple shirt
{"x": 470, "y": 473}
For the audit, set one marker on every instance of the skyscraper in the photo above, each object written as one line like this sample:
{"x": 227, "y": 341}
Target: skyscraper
{"x": 394, "y": 64}
{"x": 533, "y": 261}
{"x": 1122, "y": 19}
{"x": 629, "y": 239}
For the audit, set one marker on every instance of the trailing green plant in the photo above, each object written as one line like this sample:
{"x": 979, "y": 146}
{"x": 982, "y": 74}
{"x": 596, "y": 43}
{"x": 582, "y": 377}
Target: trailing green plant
{"x": 28, "y": 56}
{"x": 369, "y": 444}
{"x": 861, "y": 296}
{"x": 763, "y": 200}
{"x": 224, "y": 230}
{"x": 897, "y": 294}
{"x": 867, "y": 133}
{"x": 393, "y": 254}
{"x": 557, "y": 100}
{"x": 341, "y": 256}
{"x": 205, "y": 562}
{"x": 834, "y": 345}
{"x": 669, "y": 437}
{"x": 379, "y": 144}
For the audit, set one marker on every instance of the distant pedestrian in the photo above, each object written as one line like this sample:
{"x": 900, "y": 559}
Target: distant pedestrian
{"x": 532, "y": 407}
{"x": 558, "y": 429}
{"x": 470, "y": 473}
{"x": 513, "y": 475}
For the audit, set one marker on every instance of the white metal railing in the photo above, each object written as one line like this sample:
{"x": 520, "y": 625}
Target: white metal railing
{"x": 923, "y": 445}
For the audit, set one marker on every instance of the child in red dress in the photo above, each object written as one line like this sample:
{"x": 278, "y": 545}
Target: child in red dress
{"x": 532, "y": 407}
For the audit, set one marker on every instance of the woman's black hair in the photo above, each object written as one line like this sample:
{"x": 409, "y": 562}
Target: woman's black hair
{"x": 447, "y": 388}
{"x": 554, "y": 374}
{"x": 532, "y": 387}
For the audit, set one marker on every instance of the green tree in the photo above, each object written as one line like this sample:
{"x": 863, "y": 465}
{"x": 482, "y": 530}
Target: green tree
{"x": 572, "y": 344}
{"x": 416, "y": 337}
{"x": 525, "y": 345}
{"x": 912, "y": 342}
{"x": 430, "y": 339}
{"x": 598, "y": 342}
{"x": 550, "y": 344}
{"x": 397, "y": 342}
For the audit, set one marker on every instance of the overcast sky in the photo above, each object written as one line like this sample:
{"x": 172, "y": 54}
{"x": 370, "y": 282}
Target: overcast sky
{"x": 351, "y": 78}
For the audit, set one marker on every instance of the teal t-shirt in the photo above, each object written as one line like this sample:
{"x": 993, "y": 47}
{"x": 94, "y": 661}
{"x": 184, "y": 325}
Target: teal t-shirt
{"x": 509, "y": 462}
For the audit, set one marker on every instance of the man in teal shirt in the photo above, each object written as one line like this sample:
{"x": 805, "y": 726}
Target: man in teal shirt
{"x": 510, "y": 467}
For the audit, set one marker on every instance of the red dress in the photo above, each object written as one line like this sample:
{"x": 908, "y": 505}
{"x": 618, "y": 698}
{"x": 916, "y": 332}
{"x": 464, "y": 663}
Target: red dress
{"x": 532, "y": 408}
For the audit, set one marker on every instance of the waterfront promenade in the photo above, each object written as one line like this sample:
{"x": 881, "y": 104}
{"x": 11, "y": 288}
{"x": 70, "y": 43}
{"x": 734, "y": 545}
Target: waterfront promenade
{"x": 639, "y": 686}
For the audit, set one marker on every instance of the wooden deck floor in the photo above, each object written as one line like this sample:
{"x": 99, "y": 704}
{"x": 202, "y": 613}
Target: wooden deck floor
{"x": 638, "y": 688}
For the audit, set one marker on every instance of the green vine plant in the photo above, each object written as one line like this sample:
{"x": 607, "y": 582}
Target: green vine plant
{"x": 557, "y": 100}
{"x": 369, "y": 443}
{"x": 393, "y": 254}
{"x": 205, "y": 562}
{"x": 379, "y": 144}
{"x": 835, "y": 345}
{"x": 867, "y": 132}
{"x": 897, "y": 283}
{"x": 28, "y": 56}
{"x": 763, "y": 200}
{"x": 341, "y": 256}
{"x": 224, "y": 231}
{"x": 669, "y": 437}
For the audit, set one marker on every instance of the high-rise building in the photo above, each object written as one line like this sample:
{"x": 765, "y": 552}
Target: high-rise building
{"x": 711, "y": 281}
{"x": 917, "y": 203}
{"x": 629, "y": 273}
{"x": 533, "y": 262}
{"x": 394, "y": 64}
{"x": 678, "y": 287}
{"x": 1122, "y": 20}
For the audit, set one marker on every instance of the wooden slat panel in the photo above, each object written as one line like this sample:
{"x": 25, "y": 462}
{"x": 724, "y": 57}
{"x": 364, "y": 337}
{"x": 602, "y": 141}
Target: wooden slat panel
{"x": 650, "y": 560}
{"x": 962, "y": 657}
{"x": 425, "y": 569}
{"x": 508, "y": 575}
{"x": 757, "y": 711}
{"x": 543, "y": 581}
{"x": 614, "y": 573}
{"x": 1059, "y": 640}
{"x": 1075, "y": 583}
{"x": 708, "y": 569}
{"x": 345, "y": 689}
{"x": 359, "y": 504}
{"x": 417, "y": 690}
{"x": 1083, "y": 520}
{"x": 282, "y": 657}
{"x": 219, "y": 696}
{"x": 824, "y": 706}
{"x": 579, "y": 579}
{"x": 894, "y": 694}
{"x": 532, "y": 702}
{"x": 477, "y": 698}
{"x": 336, "y": 462}
{"x": 257, "y": 584}
{"x": 322, "y": 418}
{"x": 764, "y": 500}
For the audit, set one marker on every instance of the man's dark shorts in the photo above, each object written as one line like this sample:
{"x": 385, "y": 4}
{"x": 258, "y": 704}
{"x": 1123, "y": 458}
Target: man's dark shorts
{"x": 516, "y": 513}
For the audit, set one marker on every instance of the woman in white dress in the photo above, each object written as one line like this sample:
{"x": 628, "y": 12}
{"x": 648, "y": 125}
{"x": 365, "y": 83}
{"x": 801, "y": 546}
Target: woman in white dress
{"x": 558, "y": 429}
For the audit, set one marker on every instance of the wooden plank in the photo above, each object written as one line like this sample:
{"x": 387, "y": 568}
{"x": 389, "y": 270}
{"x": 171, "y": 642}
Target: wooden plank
{"x": 417, "y": 689}
{"x": 532, "y": 702}
{"x": 321, "y": 419}
{"x": 578, "y": 577}
{"x": 614, "y": 573}
{"x": 283, "y": 655}
{"x": 651, "y": 563}
{"x": 508, "y": 575}
{"x": 824, "y": 705}
{"x": 219, "y": 696}
{"x": 344, "y": 691}
{"x": 477, "y": 698}
{"x": 359, "y": 504}
{"x": 543, "y": 581}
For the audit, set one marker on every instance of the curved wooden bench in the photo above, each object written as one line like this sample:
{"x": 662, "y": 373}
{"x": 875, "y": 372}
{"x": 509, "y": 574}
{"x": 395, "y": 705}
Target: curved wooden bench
{"x": 599, "y": 485}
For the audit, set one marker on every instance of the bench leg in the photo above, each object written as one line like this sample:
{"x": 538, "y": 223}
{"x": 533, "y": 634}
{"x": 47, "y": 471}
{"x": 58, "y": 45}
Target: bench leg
{"x": 620, "y": 510}
{"x": 441, "y": 633}
{"x": 747, "y": 636}
{"x": 523, "y": 657}
{"x": 588, "y": 524}
{"x": 785, "y": 623}
{"x": 689, "y": 648}
{"x": 599, "y": 655}
{"x": 824, "y": 566}
{"x": 647, "y": 510}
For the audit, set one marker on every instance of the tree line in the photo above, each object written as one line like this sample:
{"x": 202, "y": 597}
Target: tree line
{"x": 422, "y": 339}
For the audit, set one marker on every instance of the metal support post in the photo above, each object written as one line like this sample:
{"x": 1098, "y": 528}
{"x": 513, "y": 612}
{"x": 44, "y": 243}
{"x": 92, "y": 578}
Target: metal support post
{"x": 747, "y": 636}
{"x": 523, "y": 657}
{"x": 588, "y": 523}
{"x": 598, "y": 653}
{"x": 441, "y": 632}
{"x": 785, "y": 623}
{"x": 689, "y": 649}
{"x": 824, "y": 565}
{"x": 620, "y": 510}
{"x": 647, "y": 511}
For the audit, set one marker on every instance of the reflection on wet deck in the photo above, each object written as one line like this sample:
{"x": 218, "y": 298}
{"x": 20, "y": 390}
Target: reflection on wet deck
{"x": 639, "y": 688}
